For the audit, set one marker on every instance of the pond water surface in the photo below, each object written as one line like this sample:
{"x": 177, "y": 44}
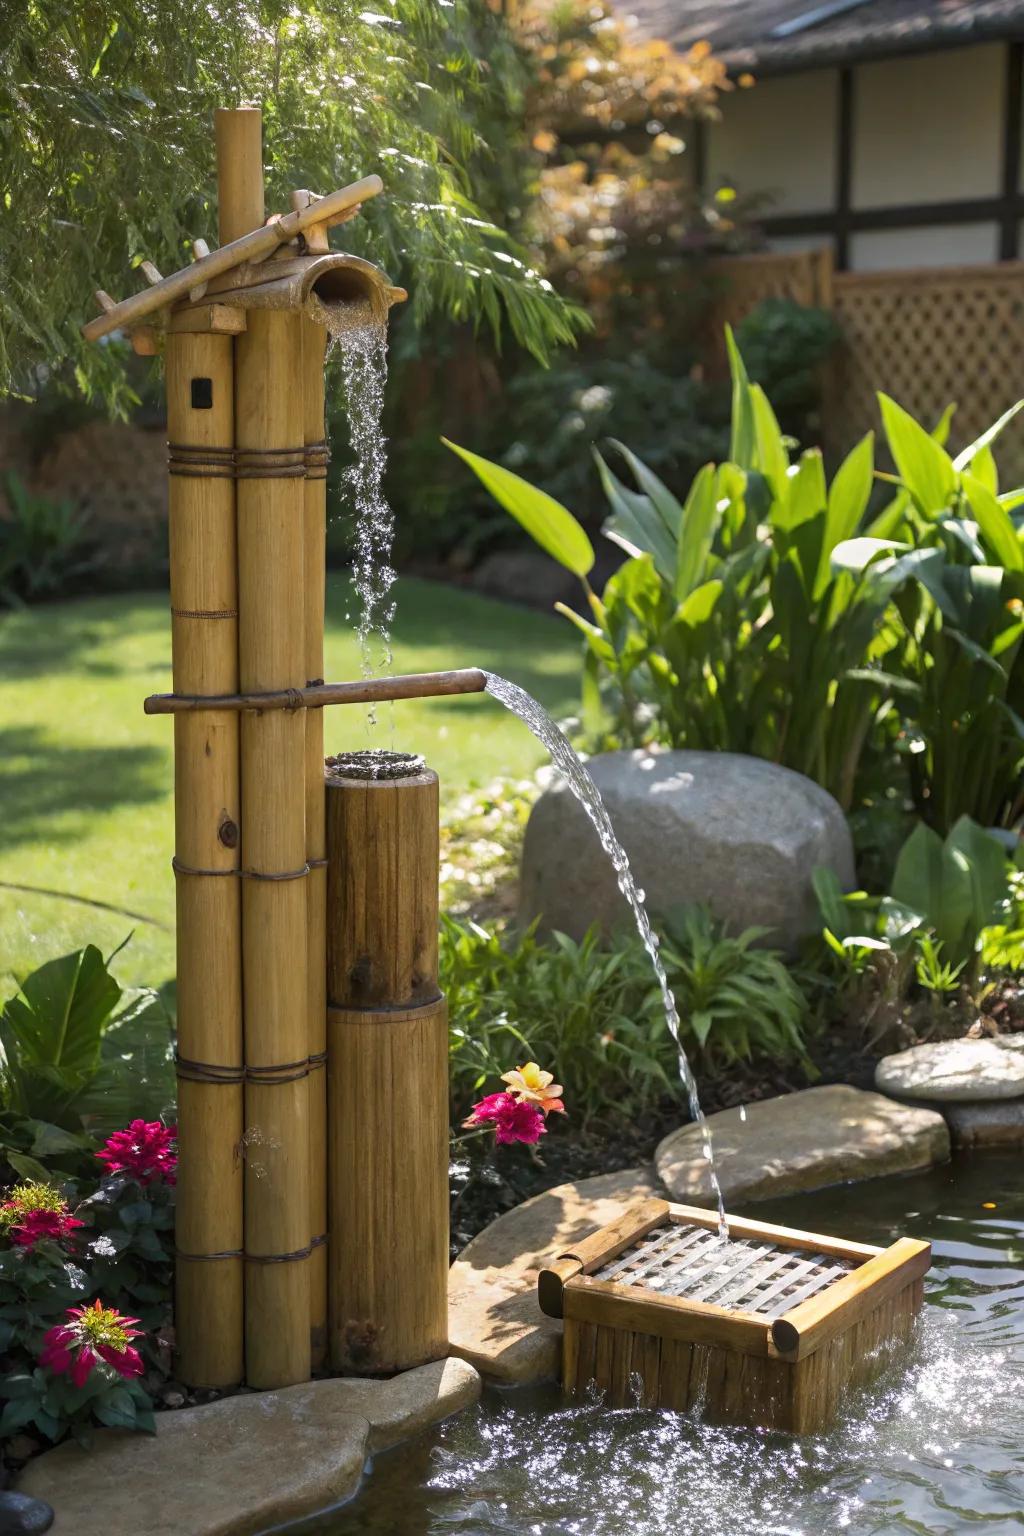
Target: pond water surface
{"x": 935, "y": 1446}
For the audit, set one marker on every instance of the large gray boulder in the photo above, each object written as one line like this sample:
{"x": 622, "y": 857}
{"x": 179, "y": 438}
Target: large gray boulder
{"x": 739, "y": 833}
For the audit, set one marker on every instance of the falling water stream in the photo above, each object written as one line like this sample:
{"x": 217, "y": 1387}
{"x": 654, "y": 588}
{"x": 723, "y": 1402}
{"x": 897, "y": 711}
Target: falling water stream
{"x": 358, "y": 334}
{"x": 358, "y": 338}
{"x": 525, "y": 707}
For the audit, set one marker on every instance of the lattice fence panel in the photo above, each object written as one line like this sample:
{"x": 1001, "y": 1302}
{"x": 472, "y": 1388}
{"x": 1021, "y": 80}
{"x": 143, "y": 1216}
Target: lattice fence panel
{"x": 738, "y": 283}
{"x": 928, "y": 338}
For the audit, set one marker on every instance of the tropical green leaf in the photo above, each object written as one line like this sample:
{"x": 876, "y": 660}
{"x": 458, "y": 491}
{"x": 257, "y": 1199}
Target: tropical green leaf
{"x": 924, "y": 465}
{"x": 848, "y": 499}
{"x": 995, "y": 524}
{"x": 699, "y": 604}
{"x": 772, "y": 458}
{"x": 57, "y": 1019}
{"x": 700, "y": 514}
{"x": 855, "y": 555}
{"x": 548, "y": 523}
{"x": 743, "y": 437}
{"x": 966, "y": 457}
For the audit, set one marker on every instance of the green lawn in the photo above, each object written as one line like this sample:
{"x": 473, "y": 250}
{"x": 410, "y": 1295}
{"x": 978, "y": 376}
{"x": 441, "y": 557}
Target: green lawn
{"x": 86, "y": 777}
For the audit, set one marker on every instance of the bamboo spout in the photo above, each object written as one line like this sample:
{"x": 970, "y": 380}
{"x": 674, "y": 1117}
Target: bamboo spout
{"x": 255, "y": 246}
{"x": 375, "y": 690}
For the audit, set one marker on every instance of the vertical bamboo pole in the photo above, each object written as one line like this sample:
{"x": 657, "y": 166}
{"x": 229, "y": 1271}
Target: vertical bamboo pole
{"x": 387, "y": 1076}
{"x": 270, "y": 469}
{"x": 314, "y": 338}
{"x": 204, "y": 648}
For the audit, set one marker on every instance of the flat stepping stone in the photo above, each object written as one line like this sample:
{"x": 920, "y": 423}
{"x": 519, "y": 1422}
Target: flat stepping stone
{"x": 494, "y": 1321}
{"x": 956, "y": 1071}
{"x": 999, "y": 1123}
{"x": 244, "y": 1463}
{"x": 801, "y": 1141}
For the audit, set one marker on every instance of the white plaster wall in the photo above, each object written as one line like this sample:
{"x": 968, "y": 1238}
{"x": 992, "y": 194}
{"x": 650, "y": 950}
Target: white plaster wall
{"x": 779, "y": 137}
{"x": 946, "y": 245}
{"x": 928, "y": 129}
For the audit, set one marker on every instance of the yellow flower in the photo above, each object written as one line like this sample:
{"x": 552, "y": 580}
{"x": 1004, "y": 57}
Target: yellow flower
{"x": 530, "y": 1085}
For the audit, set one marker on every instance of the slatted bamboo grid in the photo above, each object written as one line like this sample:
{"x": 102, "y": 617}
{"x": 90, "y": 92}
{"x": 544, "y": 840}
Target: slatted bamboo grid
{"x": 929, "y": 337}
{"x": 773, "y": 1328}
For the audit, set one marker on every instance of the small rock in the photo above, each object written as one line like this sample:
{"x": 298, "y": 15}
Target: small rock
{"x": 802, "y": 1141}
{"x": 173, "y": 1399}
{"x": 735, "y": 832}
{"x": 23, "y": 1516}
{"x": 999, "y": 1124}
{"x": 956, "y": 1071}
{"x": 494, "y": 1320}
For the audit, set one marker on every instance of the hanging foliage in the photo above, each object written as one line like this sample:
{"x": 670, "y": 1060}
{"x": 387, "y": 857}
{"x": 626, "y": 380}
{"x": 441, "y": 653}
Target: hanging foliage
{"x": 106, "y": 156}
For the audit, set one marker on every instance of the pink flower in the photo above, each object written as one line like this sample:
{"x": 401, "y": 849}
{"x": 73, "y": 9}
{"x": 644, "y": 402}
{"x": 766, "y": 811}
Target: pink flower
{"x": 512, "y": 1120}
{"x": 33, "y": 1212}
{"x": 34, "y": 1226}
{"x": 96, "y": 1335}
{"x": 142, "y": 1149}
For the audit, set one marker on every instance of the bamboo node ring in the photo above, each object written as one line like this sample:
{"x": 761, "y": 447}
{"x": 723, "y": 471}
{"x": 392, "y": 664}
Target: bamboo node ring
{"x": 204, "y": 613}
{"x": 207, "y": 1258}
{"x": 279, "y": 1258}
{"x": 181, "y": 868}
{"x": 287, "y": 874}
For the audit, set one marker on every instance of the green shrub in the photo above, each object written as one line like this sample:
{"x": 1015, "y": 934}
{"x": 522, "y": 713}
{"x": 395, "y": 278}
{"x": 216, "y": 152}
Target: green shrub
{"x": 592, "y": 1013}
{"x": 45, "y": 546}
{"x": 785, "y": 346}
{"x": 81, "y": 1057}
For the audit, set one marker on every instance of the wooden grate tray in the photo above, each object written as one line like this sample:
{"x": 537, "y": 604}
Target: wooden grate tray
{"x": 770, "y": 1326}
{"x": 745, "y": 1275}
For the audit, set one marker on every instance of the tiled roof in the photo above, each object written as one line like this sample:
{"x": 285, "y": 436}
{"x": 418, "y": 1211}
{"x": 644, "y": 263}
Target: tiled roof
{"x": 778, "y": 36}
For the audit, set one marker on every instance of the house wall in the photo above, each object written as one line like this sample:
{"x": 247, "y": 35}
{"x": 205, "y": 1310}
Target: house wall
{"x": 925, "y": 129}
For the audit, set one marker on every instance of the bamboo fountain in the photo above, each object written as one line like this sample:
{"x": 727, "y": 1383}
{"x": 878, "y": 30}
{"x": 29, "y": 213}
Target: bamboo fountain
{"x": 244, "y": 343}
{"x": 312, "y": 1223}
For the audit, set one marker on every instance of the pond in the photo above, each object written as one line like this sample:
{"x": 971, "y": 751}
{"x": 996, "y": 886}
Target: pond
{"x": 935, "y": 1446}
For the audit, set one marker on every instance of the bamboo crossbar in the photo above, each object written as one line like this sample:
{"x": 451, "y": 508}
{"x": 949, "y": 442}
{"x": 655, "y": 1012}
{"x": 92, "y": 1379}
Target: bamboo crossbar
{"x": 374, "y": 690}
{"x": 255, "y": 246}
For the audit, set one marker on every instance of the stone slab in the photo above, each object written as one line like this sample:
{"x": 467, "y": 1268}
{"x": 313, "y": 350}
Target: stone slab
{"x": 997, "y": 1124}
{"x": 956, "y": 1071}
{"x": 245, "y": 1463}
{"x": 494, "y": 1321}
{"x": 802, "y": 1141}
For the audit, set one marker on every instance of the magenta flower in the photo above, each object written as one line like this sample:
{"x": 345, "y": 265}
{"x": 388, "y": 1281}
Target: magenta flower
{"x": 142, "y": 1149}
{"x": 96, "y": 1335}
{"x": 33, "y": 1212}
{"x": 34, "y": 1226}
{"x": 512, "y": 1119}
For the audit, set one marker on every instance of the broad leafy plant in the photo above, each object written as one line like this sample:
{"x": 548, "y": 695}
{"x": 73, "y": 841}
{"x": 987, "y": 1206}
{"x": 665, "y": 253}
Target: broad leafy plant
{"x": 775, "y": 613}
{"x": 945, "y": 893}
{"x": 593, "y": 1009}
{"x": 80, "y": 1057}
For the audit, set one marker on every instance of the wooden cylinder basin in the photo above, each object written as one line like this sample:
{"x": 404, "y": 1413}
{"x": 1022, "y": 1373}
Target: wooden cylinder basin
{"x": 387, "y": 1073}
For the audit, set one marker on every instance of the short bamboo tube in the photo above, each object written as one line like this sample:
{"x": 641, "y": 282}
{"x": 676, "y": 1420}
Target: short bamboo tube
{"x": 314, "y": 339}
{"x": 270, "y": 511}
{"x": 204, "y": 647}
{"x": 387, "y": 1077}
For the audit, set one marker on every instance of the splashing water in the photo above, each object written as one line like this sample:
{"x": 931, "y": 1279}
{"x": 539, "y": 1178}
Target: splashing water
{"x": 358, "y": 336}
{"x": 934, "y": 1445}
{"x": 587, "y": 793}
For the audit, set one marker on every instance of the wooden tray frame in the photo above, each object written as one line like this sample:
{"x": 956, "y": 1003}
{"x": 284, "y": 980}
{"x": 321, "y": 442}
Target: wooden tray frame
{"x": 790, "y": 1374}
